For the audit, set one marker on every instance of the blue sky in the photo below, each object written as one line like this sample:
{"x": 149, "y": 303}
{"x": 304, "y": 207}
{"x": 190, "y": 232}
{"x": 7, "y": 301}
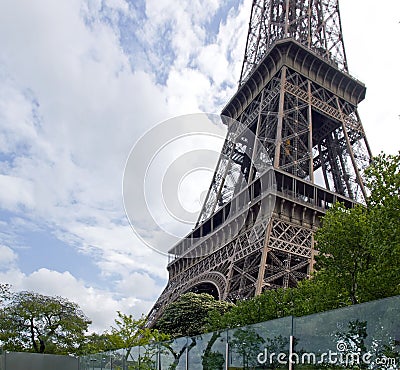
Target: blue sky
{"x": 81, "y": 81}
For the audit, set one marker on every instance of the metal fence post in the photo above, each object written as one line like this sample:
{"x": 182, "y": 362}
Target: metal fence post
{"x": 227, "y": 355}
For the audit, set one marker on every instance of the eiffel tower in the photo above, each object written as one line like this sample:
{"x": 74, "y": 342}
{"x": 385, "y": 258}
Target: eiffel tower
{"x": 298, "y": 100}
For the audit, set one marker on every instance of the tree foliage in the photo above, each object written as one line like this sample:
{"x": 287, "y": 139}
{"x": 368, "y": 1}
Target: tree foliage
{"x": 247, "y": 344}
{"x": 359, "y": 247}
{"x": 32, "y": 322}
{"x": 94, "y": 343}
{"x": 309, "y": 297}
{"x": 344, "y": 258}
{"x": 383, "y": 239}
{"x": 37, "y": 323}
{"x": 4, "y": 292}
{"x": 129, "y": 332}
{"x": 188, "y": 315}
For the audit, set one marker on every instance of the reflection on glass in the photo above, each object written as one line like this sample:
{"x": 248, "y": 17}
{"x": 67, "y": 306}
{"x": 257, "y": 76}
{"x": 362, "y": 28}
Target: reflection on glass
{"x": 209, "y": 352}
{"x": 364, "y": 336}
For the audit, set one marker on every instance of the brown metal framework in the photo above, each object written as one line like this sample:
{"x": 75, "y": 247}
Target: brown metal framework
{"x": 313, "y": 23}
{"x": 304, "y": 112}
{"x": 243, "y": 255}
{"x": 298, "y": 100}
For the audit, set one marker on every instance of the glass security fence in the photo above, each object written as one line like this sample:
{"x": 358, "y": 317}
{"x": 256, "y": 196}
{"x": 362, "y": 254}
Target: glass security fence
{"x": 256, "y": 346}
{"x": 173, "y": 354}
{"x": 209, "y": 352}
{"x": 105, "y": 360}
{"x": 365, "y": 336}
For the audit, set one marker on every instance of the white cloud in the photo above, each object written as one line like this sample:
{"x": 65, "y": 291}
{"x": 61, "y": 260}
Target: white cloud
{"x": 182, "y": 80}
{"x": 98, "y": 304}
{"x": 8, "y": 257}
{"x": 373, "y": 55}
{"x": 120, "y": 5}
{"x": 142, "y": 284}
{"x": 15, "y": 192}
{"x": 222, "y": 59}
{"x": 16, "y": 121}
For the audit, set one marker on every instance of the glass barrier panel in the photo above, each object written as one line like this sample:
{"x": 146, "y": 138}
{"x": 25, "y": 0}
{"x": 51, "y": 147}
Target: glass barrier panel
{"x": 362, "y": 336}
{"x": 258, "y": 346}
{"x": 112, "y": 359}
{"x": 173, "y": 354}
{"x": 96, "y": 361}
{"x": 132, "y": 358}
{"x": 149, "y": 357}
{"x": 119, "y": 359}
{"x": 84, "y": 362}
{"x": 107, "y": 360}
{"x": 209, "y": 353}
{"x": 104, "y": 361}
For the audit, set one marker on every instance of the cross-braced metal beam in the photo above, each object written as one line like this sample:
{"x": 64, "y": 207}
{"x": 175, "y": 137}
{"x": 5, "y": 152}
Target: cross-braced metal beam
{"x": 313, "y": 23}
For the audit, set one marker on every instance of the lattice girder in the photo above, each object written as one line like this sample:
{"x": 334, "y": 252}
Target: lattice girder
{"x": 301, "y": 124}
{"x": 313, "y": 23}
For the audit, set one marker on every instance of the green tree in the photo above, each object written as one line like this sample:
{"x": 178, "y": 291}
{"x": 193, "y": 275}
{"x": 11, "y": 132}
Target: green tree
{"x": 267, "y": 306}
{"x": 382, "y": 178}
{"x": 247, "y": 344}
{"x": 37, "y": 323}
{"x": 344, "y": 257}
{"x": 359, "y": 248}
{"x": 354, "y": 341}
{"x": 95, "y": 343}
{"x": 188, "y": 316}
{"x": 317, "y": 295}
{"x": 4, "y": 292}
{"x": 383, "y": 181}
{"x": 212, "y": 360}
{"x": 309, "y": 297}
{"x": 129, "y": 332}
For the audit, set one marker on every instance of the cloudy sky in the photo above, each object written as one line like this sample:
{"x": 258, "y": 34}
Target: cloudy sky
{"x": 82, "y": 80}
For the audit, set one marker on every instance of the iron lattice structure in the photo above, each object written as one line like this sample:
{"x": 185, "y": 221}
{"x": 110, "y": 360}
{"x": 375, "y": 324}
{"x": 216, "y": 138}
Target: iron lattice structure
{"x": 297, "y": 99}
{"x": 313, "y": 23}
